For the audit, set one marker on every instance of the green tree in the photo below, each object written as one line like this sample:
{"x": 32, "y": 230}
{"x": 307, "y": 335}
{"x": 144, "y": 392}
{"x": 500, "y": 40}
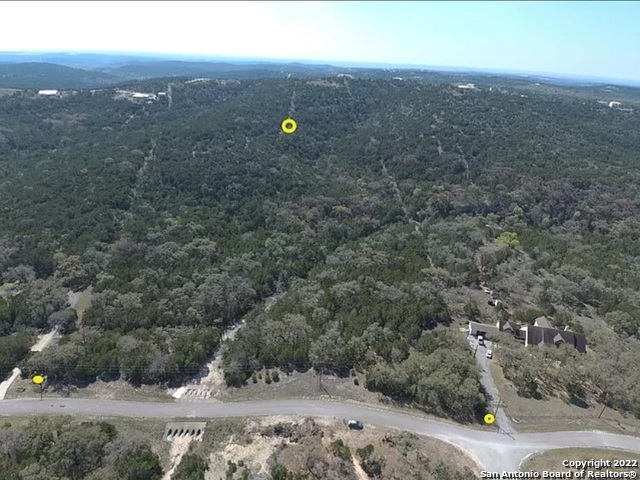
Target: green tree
{"x": 472, "y": 311}
{"x": 191, "y": 467}
{"x": 340, "y": 450}
{"x": 134, "y": 460}
{"x": 508, "y": 239}
{"x": 78, "y": 451}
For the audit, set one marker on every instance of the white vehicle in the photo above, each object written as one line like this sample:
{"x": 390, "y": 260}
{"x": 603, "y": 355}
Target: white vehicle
{"x": 489, "y": 353}
{"x": 480, "y": 340}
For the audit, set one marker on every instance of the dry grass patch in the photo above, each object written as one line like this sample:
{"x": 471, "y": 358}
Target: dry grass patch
{"x": 553, "y": 414}
{"x": 84, "y": 302}
{"x": 116, "y": 390}
{"x": 302, "y": 385}
{"x": 303, "y": 444}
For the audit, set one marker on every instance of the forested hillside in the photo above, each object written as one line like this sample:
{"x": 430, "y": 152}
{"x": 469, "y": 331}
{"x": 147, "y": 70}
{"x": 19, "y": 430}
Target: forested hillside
{"x": 365, "y": 225}
{"x": 38, "y": 75}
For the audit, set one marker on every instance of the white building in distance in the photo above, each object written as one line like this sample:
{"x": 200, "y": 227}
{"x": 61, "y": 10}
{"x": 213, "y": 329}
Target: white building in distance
{"x": 144, "y": 96}
{"x": 49, "y": 93}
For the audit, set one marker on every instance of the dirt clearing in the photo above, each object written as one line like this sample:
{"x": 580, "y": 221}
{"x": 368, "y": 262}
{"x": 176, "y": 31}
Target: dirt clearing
{"x": 179, "y": 447}
{"x": 325, "y": 447}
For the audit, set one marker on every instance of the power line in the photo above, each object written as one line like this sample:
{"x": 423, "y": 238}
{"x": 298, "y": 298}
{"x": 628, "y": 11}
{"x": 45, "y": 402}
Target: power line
{"x": 139, "y": 367}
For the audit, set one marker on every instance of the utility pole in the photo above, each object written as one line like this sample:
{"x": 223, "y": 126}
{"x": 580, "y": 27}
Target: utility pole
{"x": 602, "y": 411}
{"x": 496, "y": 413}
{"x": 498, "y": 406}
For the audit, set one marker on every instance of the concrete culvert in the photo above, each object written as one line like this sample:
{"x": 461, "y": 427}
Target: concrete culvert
{"x": 192, "y": 430}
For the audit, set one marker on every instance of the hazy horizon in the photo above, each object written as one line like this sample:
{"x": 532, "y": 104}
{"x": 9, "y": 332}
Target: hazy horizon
{"x": 597, "y": 40}
{"x": 355, "y": 64}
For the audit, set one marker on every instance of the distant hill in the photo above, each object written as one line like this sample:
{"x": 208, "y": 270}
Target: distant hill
{"x": 85, "y": 61}
{"x": 35, "y": 75}
{"x": 38, "y": 75}
{"x": 98, "y": 71}
{"x": 215, "y": 69}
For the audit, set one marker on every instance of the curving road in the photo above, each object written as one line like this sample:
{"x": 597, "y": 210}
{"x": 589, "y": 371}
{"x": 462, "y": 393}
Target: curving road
{"x": 492, "y": 451}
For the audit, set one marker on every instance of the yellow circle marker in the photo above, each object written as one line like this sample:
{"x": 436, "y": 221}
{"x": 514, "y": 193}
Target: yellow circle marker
{"x": 289, "y": 125}
{"x": 489, "y": 418}
{"x": 38, "y": 379}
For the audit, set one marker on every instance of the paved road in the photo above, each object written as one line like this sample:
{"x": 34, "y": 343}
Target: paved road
{"x": 502, "y": 419}
{"x": 493, "y": 451}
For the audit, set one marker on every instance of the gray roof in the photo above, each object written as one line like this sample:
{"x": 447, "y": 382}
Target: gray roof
{"x": 552, "y": 336}
{"x": 509, "y": 326}
{"x": 476, "y": 328}
{"x": 543, "y": 322}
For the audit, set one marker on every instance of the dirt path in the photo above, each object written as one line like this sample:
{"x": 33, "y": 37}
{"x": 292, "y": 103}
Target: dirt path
{"x": 215, "y": 377}
{"x": 292, "y": 105}
{"x": 360, "y": 473}
{"x": 4, "y": 386}
{"x": 143, "y": 170}
{"x": 72, "y": 298}
{"x": 346, "y": 84}
{"x": 464, "y": 162}
{"x": 82, "y": 301}
{"x": 396, "y": 190}
{"x": 179, "y": 447}
{"x": 211, "y": 384}
{"x": 44, "y": 341}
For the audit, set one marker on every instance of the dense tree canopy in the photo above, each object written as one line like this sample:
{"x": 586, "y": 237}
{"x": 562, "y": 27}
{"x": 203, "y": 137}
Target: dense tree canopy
{"x": 391, "y": 197}
{"x": 67, "y": 449}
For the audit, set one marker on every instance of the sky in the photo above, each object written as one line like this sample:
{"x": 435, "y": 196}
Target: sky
{"x": 598, "y": 39}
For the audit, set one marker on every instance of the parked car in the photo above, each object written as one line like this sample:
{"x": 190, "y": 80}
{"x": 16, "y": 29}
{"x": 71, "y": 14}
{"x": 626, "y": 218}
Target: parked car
{"x": 355, "y": 425}
{"x": 480, "y": 340}
{"x": 489, "y": 353}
